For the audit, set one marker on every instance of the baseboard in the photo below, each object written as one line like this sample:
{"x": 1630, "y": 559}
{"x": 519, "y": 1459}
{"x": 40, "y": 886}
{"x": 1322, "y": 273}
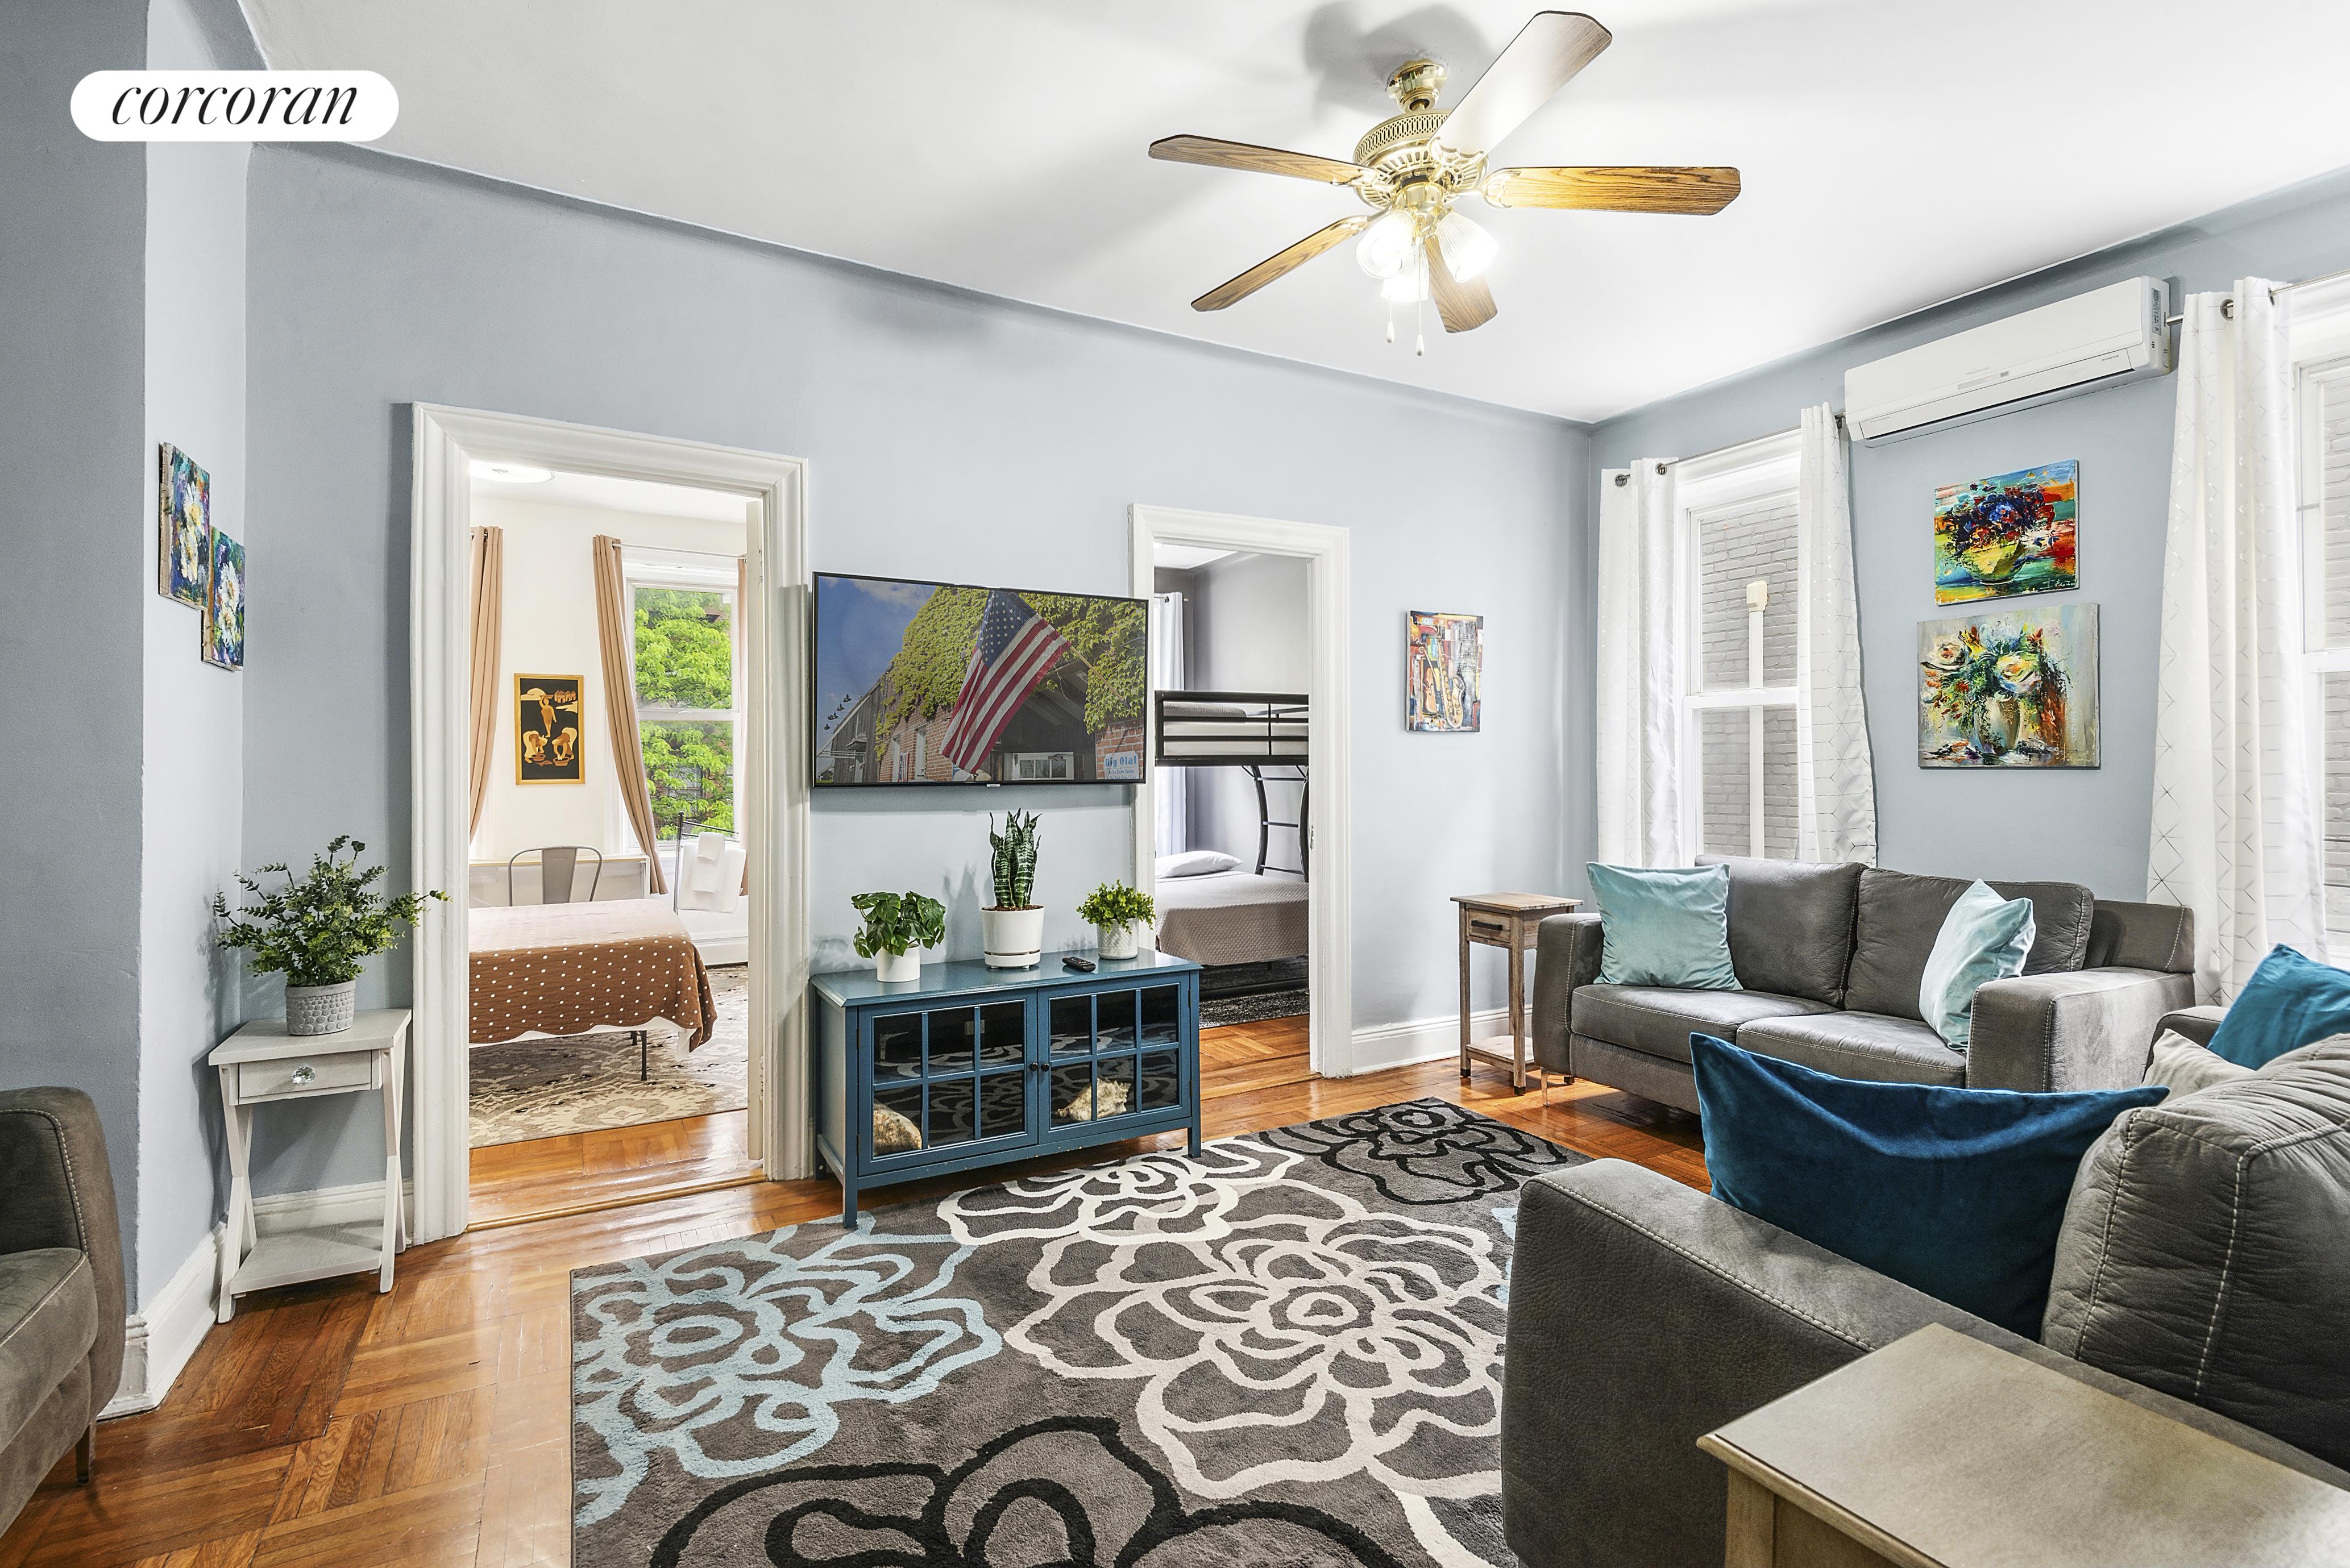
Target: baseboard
{"x": 157, "y": 1342}
{"x": 361, "y": 1200}
{"x": 1422, "y": 1040}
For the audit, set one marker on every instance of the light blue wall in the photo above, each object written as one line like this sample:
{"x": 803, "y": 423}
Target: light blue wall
{"x": 2090, "y": 826}
{"x": 950, "y": 436}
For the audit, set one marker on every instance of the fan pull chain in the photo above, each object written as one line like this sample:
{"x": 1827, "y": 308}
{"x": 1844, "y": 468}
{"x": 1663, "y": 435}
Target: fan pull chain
{"x": 1420, "y": 329}
{"x": 1391, "y": 321}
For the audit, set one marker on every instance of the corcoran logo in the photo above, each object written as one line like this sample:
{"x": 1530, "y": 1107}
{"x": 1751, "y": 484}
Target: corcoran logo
{"x": 234, "y": 105}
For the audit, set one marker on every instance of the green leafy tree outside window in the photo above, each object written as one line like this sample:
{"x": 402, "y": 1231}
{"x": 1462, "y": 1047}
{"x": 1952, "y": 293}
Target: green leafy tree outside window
{"x": 685, "y": 659}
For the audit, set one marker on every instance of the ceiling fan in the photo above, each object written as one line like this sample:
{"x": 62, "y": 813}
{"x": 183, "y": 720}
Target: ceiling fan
{"x": 1414, "y": 167}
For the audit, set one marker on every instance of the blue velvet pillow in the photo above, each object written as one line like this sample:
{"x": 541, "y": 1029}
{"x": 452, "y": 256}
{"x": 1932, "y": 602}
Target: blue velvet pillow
{"x": 1664, "y": 925}
{"x": 1957, "y": 1192}
{"x": 2291, "y": 1000}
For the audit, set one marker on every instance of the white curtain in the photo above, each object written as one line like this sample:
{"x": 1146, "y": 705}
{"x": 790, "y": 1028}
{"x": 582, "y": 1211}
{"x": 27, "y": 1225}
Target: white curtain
{"x": 1836, "y": 781}
{"x": 1170, "y": 788}
{"x": 1644, "y": 581}
{"x": 2236, "y": 833}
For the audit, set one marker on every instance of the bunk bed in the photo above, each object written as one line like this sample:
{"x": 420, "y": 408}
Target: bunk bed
{"x": 1250, "y": 924}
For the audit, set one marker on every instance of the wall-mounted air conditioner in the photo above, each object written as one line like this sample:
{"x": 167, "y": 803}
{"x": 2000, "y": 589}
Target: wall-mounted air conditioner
{"x": 2079, "y": 344}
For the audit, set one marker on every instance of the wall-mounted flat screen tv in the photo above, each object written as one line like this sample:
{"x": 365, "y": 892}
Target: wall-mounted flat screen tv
{"x": 942, "y": 683}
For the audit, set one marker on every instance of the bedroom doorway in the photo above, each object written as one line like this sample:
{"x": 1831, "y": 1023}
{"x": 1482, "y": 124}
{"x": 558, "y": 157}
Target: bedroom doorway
{"x": 611, "y": 764}
{"x": 1241, "y": 828}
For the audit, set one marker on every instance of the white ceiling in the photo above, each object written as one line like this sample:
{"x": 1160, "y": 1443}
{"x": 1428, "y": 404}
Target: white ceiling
{"x": 1895, "y": 153}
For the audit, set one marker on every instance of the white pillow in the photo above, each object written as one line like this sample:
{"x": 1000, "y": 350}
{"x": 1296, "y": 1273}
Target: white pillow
{"x": 2188, "y": 1067}
{"x": 1196, "y": 863}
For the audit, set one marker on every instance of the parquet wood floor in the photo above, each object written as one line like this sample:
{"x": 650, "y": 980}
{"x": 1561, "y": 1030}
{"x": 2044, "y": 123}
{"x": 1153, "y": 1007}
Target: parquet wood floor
{"x": 328, "y": 1424}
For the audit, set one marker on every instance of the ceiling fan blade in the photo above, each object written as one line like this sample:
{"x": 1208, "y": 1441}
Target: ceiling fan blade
{"x": 1540, "y": 60}
{"x": 1218, "y": 155}
{"x": 1636, "y": 189}
{"x": 1464, "y": 306}
{"x": 1279, "y": 264}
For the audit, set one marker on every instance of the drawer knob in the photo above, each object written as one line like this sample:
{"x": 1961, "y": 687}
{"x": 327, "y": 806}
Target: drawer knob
{"x": 304, "y": 1074}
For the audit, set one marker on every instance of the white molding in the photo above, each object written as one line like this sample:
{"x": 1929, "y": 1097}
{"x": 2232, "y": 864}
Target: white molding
{"x": 157, "y": 1342}
{"x": 321, "y": 1208}
{"x": 445, "y": 440}
{"x": 1388, "y": 1045}
{"x": 1330, "y": 916}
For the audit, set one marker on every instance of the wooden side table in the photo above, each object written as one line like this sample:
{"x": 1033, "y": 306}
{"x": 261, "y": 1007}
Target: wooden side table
{"x": 261, "y": 1064}
{"x": 1941, "y": 1452}
{"x": 1504, "y": 920}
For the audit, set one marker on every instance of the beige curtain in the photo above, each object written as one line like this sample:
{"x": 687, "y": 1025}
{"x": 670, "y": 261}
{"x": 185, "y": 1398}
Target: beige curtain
{"x": 742, "y": 666}
{"x": 488, "y": 567}
{"x": 613, "y": 625}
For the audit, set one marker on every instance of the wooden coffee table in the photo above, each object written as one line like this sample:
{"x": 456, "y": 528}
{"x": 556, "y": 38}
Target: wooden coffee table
{"x": 1504, "y": 920}
{"x": 1941, "y": 1452}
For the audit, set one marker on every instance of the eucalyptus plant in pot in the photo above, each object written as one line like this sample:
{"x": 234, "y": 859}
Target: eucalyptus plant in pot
{"x": 1120, "y": 914}
{"x": 897, "y": 926}
{"x": 1012, "y": 930}
{"x": 317, "y": 930}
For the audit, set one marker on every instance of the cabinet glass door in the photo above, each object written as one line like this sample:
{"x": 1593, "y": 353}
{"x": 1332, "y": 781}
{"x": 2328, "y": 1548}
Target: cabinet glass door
{"x": 1115, "y": 1052}
{"x": 948, "y": 1077}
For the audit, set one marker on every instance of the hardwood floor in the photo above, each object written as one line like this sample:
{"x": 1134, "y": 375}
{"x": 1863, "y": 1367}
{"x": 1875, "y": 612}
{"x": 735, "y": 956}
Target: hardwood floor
{"x": 328, "y": 1424}
{"x": 510, "y": 1181}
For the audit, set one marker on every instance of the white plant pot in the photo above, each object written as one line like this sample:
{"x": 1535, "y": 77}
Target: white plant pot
{"x": 1012, "y": 938}
{"x": 1118, "y": 942}
{"x": 321, "y": 1009}
{"x": 889, "y": 967}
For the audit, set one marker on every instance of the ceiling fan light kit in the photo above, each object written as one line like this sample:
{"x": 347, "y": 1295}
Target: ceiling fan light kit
{"x": 1413, "y": 167}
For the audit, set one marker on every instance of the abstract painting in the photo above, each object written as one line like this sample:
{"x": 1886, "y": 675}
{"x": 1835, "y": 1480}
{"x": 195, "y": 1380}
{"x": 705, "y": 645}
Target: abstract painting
{"x": 547, "y": 730}
{"x": 183, "y": 510}
{"x": 2010, "y": 534}
{"x": 1445, "y": 667}
{"x": 223, "y": 627}
{"x": 2017, "y": 690}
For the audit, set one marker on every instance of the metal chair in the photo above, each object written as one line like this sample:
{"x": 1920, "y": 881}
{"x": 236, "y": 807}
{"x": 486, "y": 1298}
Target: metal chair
{"x": 558, "y": 866}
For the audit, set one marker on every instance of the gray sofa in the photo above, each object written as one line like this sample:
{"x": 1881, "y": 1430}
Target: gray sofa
{"x": 2199, "y": 1272}
{"x": 61, "y": 1309}
{"x": 1831, "y": 957}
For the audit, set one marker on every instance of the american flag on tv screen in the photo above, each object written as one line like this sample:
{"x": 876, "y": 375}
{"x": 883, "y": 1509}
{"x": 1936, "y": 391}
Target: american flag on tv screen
{"x": 1016, "y": 647}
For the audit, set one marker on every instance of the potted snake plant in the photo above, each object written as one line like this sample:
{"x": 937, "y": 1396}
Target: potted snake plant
{"x": 1012, "y": 930}
{"x": 897, "y": 926}
{"x": 1120, "y": 914}
{"x": 317, "y": 930}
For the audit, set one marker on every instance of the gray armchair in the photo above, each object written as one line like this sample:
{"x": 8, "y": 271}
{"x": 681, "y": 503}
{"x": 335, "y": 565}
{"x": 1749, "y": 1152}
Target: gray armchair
{"x": 61, "y": 1307}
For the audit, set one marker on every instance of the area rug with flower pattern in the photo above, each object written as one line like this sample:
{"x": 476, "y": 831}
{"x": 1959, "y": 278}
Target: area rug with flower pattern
{"x": 1287, "y": 1351}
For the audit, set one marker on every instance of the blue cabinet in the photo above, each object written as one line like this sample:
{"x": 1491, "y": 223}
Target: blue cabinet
{"x": 968, "y": 1065}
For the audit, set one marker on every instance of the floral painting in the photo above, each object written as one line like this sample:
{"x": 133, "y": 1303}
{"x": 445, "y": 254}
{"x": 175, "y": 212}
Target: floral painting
{"x": 1445, "y": 667}
{"x": 2010, "y": 534}
{"x": 223, "y": 628}
{"x": 2013, "y": 691}
{"x": 183, "y": 509}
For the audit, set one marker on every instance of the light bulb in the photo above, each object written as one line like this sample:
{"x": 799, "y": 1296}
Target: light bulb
{"x": 1468, "y": 248}
{"x": 1385, "y": 244}
{"x": 1410, "y": 284}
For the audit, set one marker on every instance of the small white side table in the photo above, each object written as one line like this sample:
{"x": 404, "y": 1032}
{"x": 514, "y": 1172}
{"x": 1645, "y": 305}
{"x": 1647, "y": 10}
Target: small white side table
{"x": 261, "y": 1063}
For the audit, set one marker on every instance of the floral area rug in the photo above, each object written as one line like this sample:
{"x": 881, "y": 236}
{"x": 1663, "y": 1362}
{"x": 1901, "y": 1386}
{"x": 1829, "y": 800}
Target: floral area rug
{"x": 545, "y": 1088}
{"x": 1287, "y": 1351}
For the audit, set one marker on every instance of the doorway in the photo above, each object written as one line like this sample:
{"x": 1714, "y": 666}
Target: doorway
{"x": 632, "y": 788}
{"x": 1286, "y": 811}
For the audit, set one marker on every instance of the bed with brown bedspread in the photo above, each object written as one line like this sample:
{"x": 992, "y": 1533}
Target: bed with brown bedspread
{"x": 1231, "y": 917}
{"x": 575, "y": 969}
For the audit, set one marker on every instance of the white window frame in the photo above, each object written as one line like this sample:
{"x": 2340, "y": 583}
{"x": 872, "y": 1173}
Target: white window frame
{"x": 2319, "y": 338}
{"x": 697, "y": 572}
{"x": 1752, "y": 474}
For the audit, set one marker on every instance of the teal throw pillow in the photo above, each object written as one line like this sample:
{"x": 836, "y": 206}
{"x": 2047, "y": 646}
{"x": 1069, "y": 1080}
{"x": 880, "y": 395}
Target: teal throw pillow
{"x": 1664, "y": 926}
{"x": 2292, "y": 1001}
{"x": 1958, "y": 1193}
{"x": 1983, "y": 938}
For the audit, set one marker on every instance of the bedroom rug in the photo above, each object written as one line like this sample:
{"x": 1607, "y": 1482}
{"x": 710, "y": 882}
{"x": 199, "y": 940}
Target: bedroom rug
{"x": 1287, "y": 1351}
{"x": 1217, "y": 1012}
{"x": 545, "y": 1088}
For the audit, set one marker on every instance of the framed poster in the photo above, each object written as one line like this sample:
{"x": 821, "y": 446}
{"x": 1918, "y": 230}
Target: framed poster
{"x": 1444, "y": 672}
{"x": 547, "y": 730}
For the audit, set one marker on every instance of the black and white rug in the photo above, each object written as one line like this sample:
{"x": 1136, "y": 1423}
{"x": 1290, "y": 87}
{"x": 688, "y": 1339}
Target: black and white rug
{"x": 545, "y": 1088}
{"x": 1287, "y": 1351}
{"x": 1219, "y": 1011}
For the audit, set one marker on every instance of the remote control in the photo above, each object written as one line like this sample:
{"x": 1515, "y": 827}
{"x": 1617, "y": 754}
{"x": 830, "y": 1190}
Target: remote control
{"x": 1082, "y": 965}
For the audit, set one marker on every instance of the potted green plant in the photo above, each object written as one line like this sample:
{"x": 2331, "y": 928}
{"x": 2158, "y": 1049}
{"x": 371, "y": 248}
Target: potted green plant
{"x": 1012, "y": 930}
{"x": 1118, "y": 913}
{"x": 317, "y": 930}
{"x": 897, "y": 926}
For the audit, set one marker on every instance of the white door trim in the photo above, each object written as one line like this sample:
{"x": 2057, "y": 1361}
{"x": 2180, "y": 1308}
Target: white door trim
{"x": 1330, "y": 963}
{"x": 445, "y": 440}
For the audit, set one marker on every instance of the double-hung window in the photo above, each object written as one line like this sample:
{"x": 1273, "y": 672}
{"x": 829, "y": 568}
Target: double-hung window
{"x": 2322, "y": 362}
{"x": 1737, "y": 512}
{"x": 686, "y": 666}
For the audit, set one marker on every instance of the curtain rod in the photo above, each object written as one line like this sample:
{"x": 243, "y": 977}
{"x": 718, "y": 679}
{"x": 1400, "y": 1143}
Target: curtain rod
{"x": 2281, "y": 288}
{"x": 1733, "y": 446}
